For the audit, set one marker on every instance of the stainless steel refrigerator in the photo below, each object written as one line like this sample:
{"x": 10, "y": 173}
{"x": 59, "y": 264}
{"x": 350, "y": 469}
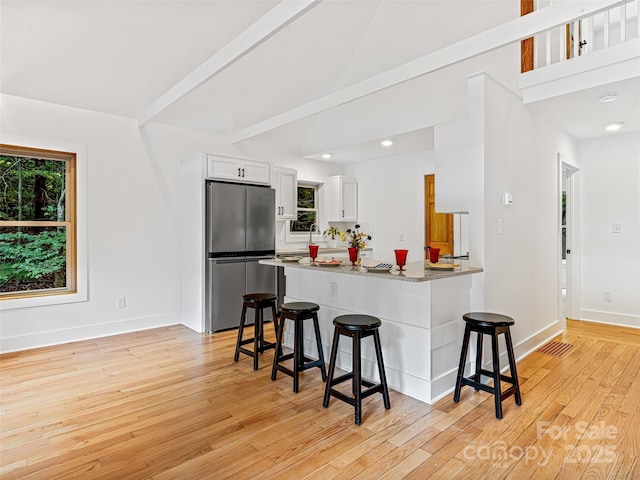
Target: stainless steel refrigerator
{"x": 240, "y": 230}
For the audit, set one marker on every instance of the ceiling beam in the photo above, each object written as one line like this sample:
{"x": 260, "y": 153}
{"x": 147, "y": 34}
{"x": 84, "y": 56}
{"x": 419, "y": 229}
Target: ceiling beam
{"x": 513, "y": 31}
{"x": 266, "y": 26}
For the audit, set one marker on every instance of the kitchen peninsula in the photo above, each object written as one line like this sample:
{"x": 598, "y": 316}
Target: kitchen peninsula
{"x": 421, "y": 312}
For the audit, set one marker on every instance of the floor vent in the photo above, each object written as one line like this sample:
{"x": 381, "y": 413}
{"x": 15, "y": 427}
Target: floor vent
{"x": 556, "y": 349}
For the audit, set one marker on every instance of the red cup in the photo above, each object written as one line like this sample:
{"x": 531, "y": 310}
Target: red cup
{"x": 434, "y": 253}
{"x": 401, "y": 257}
{"x": 353, "y": 255}
{"x": 313, "y": 252}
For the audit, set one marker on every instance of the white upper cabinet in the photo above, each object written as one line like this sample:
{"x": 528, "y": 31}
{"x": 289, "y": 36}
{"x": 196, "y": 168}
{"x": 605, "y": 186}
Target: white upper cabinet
{"x": 285, "y": 181}
{"x": 238, "y": 169}
{"x": 342, "y": 199}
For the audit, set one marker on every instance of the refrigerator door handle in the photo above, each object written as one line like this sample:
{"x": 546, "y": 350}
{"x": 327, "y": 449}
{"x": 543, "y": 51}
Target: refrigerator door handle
{"x": 228, "y": 260}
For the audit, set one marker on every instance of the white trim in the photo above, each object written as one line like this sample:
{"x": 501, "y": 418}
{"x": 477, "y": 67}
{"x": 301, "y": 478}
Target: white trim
{"x": 87, "y": 332}
{"x": 620, "y": 319}
{"x": 82, "y": 263}
{"x": 620, "y": 62}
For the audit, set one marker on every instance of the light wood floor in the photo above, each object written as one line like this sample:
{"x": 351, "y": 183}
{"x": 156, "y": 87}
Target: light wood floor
{"x": 171, "y": 404}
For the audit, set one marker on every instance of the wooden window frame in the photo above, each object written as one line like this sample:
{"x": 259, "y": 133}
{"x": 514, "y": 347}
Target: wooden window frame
{"x": 70, "y": 220}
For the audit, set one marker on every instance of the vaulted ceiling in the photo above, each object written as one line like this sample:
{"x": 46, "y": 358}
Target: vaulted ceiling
{"x": 120, "y": 57}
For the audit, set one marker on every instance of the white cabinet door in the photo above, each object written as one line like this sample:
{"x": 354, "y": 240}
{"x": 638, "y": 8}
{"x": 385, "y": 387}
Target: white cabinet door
{"x": 223, "y": 168}
{"x": 349, "y": 199}
{"x": 342, "y": 199}
{"x": 255, "y": 171}
{"x": 238, "y": 169}
{"x": 286, "y": 185}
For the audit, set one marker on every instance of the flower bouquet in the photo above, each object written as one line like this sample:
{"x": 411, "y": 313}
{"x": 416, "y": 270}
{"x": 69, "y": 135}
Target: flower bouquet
{"x": 356, "y": 240}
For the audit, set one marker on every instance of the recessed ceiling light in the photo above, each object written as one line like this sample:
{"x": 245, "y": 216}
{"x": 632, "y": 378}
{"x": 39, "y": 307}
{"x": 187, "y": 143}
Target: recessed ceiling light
{"x": 608, "y": 97}
{"x": 612, "y": 127}
{"x": 386, "y": 143}
{"x": 326, "y": 156}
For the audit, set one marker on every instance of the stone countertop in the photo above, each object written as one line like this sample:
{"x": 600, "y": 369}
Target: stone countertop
{"x": 414, "y": 271}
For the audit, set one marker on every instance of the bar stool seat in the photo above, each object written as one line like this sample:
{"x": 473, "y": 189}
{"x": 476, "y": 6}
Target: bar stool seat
{"x": 257, "y": 301}
{"x": 357, "y": 327}
{"x": 493, "y": 324}
{"x": 298, "y": 312}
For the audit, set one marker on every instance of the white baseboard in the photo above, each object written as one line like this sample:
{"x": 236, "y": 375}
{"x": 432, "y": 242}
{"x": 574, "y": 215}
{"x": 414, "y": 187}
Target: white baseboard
{"x": 192, "y": 322}
{"x": 525, "y": 347}
{"x": 87, "y": 332}
{"x": 610, "y": 318}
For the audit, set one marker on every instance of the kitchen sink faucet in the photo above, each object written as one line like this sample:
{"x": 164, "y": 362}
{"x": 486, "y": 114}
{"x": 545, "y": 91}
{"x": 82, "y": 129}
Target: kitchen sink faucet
{"x": 311, "y": 232}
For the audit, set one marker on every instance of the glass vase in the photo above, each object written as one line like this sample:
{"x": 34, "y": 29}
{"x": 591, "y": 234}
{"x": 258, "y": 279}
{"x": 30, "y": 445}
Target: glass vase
{"x": 353, "y": 255}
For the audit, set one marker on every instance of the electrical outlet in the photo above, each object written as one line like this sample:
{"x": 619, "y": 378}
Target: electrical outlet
{"x": 122, "y": 302}
{"x": 616, "y": 227}
{"x": 606, "y": 296}
{"x": 333, "y": 289}
{"x": 401, "y": 237}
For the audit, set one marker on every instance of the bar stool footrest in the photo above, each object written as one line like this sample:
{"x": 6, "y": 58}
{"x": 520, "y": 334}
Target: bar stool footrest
{"x": 488, "y": 373}
{"x": 261, "y": 348}
{"x": 477, "y": 385}
{"x": 309, "y": 364}
{"x": 474, "y": 381}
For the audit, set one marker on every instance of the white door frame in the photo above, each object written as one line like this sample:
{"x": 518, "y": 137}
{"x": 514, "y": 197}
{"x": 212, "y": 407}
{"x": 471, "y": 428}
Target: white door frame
{"x": 569, "y": 181}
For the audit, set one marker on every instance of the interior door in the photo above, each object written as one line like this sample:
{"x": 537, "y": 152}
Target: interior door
{"x": 569, "y": 267}
{"x": 438, "y": 226}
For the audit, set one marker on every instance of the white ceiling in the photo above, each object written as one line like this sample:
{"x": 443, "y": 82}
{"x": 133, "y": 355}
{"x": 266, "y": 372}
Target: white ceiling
{"x": 118, "y": 57}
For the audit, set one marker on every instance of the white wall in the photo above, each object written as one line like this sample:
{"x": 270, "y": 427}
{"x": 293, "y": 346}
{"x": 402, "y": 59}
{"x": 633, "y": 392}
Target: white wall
{"x": 522, "y": 263}
{"x": 507, "y": 149}
{"x": 132, "y": 234}
{"x": 133, "y": 219}
{"x": 610, "y": 192}
{"x": 391, "y": 201}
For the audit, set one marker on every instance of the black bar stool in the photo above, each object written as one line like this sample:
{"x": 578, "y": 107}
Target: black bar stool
{"x": 257, "y": 301}
{"x": 298, "y": 312}
{"x": 357, "y": 327}
{"x": 488, "y": 324}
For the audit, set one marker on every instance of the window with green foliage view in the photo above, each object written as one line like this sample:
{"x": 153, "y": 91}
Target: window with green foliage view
{"x": 307, "y": 209}
{"x": 37, "y": 222}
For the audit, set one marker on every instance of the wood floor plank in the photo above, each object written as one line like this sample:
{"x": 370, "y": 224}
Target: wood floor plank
{"x": 170, "y": 403}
